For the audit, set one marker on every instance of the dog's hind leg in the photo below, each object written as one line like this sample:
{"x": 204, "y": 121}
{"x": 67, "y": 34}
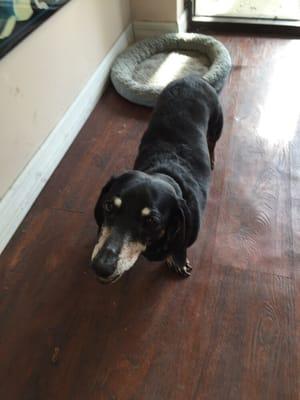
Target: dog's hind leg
{"x": 211, "y": 149}
{"x": 183, "y": 269}
{"x": 214, "y": 130}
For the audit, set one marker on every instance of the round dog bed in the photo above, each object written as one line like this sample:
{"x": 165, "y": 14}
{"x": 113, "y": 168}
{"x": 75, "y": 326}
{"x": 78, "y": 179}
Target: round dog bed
{"x": 141, "y": 72}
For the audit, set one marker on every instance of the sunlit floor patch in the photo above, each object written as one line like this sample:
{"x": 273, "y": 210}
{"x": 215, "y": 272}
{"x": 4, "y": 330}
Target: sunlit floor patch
{"x": 279, "y": 116}
{"x": 155, "y": 70}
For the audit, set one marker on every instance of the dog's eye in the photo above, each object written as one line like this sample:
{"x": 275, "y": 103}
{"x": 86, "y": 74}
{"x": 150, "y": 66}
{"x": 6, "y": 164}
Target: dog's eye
{"x": 108, "y": 206}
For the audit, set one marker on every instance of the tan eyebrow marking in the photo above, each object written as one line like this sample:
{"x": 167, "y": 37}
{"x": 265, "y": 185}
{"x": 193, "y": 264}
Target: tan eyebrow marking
{"x": 117, "y": 202}
{"x": 145, "y": 211}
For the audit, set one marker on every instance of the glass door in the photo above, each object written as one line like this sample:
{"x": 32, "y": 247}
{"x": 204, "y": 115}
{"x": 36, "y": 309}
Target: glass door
{"x": 262, "y": 9}
{"x": 269, "y": 16}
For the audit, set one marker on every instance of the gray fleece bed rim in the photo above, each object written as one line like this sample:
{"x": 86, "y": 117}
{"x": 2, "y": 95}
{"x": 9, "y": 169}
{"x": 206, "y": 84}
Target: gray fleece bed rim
{"x": 122, "y": 72}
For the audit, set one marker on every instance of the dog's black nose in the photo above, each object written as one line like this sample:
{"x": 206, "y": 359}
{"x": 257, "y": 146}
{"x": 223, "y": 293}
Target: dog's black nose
{"x": 105, "y": 271}
{"x": 105, "y": 262}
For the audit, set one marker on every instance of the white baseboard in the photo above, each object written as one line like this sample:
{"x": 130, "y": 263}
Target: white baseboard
{"x": 145, "y": 29}
{"x": 183, "y": 22}
{"x": 19, "y": 198}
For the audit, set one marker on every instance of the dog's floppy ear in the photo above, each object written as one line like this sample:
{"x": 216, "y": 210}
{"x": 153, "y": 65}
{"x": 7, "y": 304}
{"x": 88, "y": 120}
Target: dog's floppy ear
{"x": 177, "y": 232}
{"x": 98, "y": 211}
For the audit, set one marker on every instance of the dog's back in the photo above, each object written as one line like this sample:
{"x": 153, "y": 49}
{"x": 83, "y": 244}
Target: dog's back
{"x": 186, "y": 119}
{"x": 185, "y": 106}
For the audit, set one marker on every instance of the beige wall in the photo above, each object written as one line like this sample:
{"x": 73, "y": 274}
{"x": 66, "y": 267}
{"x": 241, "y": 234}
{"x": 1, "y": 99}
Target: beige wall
{"x": 42, "y": 76}
{"x": 154, "y": 10}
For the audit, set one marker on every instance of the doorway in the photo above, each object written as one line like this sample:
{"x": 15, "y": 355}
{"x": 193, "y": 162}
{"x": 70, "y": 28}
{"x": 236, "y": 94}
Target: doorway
{"x": 262, "y": 9}
{"x": 279, "y": 16}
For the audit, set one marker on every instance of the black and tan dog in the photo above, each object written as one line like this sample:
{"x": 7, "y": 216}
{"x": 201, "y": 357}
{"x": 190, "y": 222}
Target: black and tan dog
{"x": 156, "y": 208}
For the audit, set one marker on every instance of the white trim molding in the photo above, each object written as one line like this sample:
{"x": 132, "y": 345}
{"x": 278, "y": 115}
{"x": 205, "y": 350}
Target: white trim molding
{"x": 183, "y": 22}
{"x": 145, "y": 29}
{"x": 18, "y": 200}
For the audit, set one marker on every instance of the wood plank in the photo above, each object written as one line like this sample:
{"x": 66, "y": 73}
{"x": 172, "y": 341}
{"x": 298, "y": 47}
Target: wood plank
{"x": 254, "y": 228}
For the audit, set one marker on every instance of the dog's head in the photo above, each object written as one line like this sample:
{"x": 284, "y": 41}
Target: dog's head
{"x": 137, "y": 213}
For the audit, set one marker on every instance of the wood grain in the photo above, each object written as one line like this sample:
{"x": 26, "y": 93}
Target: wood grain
{"x": 231, "y": 331}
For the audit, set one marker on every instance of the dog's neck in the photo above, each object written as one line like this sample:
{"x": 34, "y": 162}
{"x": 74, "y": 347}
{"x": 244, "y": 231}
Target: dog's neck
{"x": 171, "y": 181}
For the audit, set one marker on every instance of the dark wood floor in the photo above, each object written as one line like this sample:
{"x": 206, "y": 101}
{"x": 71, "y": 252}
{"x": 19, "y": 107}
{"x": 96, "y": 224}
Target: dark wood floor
{"x": 231, "y": 331}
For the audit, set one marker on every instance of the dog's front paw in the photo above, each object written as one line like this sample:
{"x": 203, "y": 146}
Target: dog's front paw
{"x": 187, "y": 268}
{"x": 182, "y": 270}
